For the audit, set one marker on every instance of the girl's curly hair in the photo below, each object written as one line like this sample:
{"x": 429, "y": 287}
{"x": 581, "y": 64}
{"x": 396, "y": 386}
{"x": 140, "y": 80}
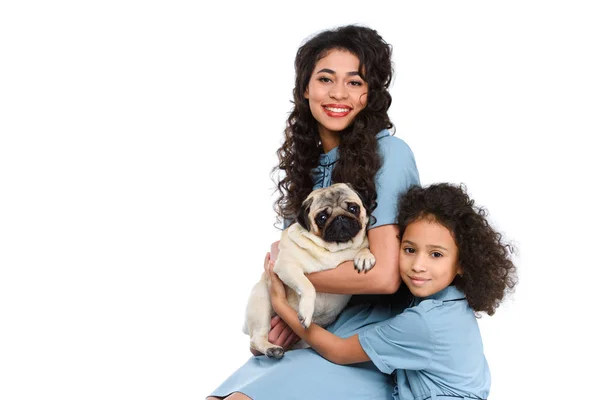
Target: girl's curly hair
{"x": 359, "y": 156}
{"x": 488, "y": 271}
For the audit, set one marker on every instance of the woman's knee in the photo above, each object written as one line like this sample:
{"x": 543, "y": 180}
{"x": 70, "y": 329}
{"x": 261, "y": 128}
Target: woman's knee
{"x": 238, "y": 396}
{"x": 232, "y": 396}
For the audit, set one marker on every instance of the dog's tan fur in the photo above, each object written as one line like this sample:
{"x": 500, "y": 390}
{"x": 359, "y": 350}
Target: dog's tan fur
{"x": 303, "y": 251}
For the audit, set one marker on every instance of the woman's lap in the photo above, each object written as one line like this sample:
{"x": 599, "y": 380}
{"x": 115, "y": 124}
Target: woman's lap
{"x": 304, "y": 374}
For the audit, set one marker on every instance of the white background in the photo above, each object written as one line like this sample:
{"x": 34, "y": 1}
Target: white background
{"x": 136, "y": 143}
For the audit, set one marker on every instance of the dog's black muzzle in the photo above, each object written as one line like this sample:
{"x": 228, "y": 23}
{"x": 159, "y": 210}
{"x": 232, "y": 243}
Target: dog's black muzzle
{"x": 341, "y": 229}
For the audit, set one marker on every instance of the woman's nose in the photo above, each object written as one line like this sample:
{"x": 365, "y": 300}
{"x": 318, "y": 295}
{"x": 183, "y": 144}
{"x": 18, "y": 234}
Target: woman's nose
{"x": 338, "y": 91}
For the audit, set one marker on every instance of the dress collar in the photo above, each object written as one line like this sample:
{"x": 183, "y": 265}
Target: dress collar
{"x": 448, "y": 294}
{"x": 333, "y": 155}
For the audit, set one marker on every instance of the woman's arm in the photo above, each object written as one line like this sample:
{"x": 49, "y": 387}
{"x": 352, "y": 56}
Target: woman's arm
{"x": 333, "y": 348}
{"x": 398, "y": 172}
{"x": 383, "y": 278}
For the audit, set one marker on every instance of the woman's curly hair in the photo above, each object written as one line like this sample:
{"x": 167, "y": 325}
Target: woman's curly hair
{"x": 359, "y": 156}
{"x": 488, "y": 272}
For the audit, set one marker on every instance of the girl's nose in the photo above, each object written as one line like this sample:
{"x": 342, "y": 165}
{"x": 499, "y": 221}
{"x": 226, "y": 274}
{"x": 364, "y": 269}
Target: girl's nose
{"x": 419, "y": 265}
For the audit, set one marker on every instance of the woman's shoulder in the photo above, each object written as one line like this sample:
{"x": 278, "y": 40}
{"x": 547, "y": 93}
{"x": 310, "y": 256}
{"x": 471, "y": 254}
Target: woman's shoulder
{"x": 390, "y": 144}
{"x": 397, "y": 173}
{"x": 395, "y": 152}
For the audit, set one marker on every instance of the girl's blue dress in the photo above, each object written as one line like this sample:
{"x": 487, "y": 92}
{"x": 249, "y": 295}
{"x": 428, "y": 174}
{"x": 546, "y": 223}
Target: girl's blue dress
{"x": 304, "y": 374}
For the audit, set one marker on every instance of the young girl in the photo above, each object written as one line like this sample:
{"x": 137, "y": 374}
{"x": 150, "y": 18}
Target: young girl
{"x": 338, "y": 131}
{"x": 455, "y": 265}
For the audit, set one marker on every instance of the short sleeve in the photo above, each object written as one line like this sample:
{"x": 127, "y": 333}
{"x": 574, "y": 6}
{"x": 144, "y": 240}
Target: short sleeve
{"x": 286, "y": 223}
{"x": 402, "y": 342}
{"x": 397, "y": 174}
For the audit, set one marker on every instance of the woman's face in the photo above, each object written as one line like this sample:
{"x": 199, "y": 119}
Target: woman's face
{"x": 336, "y": 93}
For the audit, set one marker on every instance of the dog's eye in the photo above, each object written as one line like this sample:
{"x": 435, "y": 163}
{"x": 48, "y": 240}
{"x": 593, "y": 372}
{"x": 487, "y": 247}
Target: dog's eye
{"x": 354, "y": 209}
{"x": 321, "y": 219}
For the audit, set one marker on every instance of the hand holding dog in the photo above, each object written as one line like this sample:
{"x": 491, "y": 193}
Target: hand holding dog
{"x": 280, "y": 333}
{"x": 276, "y": 287}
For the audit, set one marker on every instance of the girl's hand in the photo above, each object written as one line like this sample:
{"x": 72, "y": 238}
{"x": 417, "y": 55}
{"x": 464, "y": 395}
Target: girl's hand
{"x": 280, "y": 334}
{"x": 276, "y": 287}
{"x": 274, "y": 250}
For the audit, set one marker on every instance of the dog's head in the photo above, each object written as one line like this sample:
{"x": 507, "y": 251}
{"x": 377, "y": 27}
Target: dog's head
{"x": 335, "y": 213}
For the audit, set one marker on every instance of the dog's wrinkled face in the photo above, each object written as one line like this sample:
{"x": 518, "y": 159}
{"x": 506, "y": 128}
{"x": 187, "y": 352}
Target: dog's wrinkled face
{"x": 335, "y": 213}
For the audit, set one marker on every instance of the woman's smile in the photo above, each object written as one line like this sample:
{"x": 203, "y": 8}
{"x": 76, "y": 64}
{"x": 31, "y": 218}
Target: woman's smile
{"x": 337, "y": 110}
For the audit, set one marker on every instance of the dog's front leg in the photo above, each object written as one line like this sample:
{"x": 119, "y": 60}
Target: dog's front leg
{"x": 297, "y": 281}
{"x": 364, "y": 260}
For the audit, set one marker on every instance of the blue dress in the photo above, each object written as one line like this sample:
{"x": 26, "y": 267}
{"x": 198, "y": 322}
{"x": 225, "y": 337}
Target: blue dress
{"x": 434, "y": 348}
{"x": 304, "y": 374}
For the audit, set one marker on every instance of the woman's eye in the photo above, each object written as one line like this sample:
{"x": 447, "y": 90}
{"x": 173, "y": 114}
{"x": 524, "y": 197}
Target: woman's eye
{"x": 409, "y": 250}
{"x": 436, "y": 254}
{"x": 356, "y": 83}
{"x": 325, "y": 79}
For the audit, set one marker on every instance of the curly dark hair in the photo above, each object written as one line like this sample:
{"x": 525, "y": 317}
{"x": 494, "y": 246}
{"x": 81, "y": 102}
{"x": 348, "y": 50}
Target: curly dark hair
{"x": 488, "y": 271}
{"x": 359, "y": 156}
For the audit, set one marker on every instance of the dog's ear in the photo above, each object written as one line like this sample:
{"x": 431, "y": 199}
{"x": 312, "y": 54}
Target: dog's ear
{"x": 360, "y": 196}
{"x": 302, "y": 217}
{"x": 369, "y": 208}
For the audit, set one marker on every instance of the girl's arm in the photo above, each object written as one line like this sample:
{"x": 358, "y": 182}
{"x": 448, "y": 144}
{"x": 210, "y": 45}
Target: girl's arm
{"x": 333, "y": 348}
{"x": 280, "y": 334}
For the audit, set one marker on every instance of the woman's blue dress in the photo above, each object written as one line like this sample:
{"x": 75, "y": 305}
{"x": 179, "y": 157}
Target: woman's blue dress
{"x": 304, "y": 374}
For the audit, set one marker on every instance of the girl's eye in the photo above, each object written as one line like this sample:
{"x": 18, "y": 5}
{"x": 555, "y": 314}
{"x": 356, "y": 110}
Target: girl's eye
{"x": 409, "y": 250}
{"x": 356, "y": 83}
{"x": 324, "y": 79}
{"x": 436, "y": 254}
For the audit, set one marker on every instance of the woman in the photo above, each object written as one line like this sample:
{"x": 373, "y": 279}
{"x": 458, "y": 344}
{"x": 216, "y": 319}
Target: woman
{"x": 338, "y": 131}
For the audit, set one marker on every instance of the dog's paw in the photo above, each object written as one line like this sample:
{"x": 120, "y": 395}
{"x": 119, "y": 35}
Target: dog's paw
{"x": 364, "y": 260}
{"x": 305, "y": 313}
{"x": 275, "y": 352}
{"x": 304, "y": 321}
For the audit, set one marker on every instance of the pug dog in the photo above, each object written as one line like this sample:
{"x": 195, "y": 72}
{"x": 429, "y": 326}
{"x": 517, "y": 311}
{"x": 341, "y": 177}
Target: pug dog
{"x": 329, "y": 230}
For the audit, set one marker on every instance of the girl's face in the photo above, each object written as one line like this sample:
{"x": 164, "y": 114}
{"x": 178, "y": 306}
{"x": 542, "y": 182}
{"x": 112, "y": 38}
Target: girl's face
{"x": 428, "y": 258}
{"x": 336, "y": 93}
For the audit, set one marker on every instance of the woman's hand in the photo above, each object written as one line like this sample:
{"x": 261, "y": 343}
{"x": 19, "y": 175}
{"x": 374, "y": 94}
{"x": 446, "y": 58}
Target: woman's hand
{"x": 281, "y": 334}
